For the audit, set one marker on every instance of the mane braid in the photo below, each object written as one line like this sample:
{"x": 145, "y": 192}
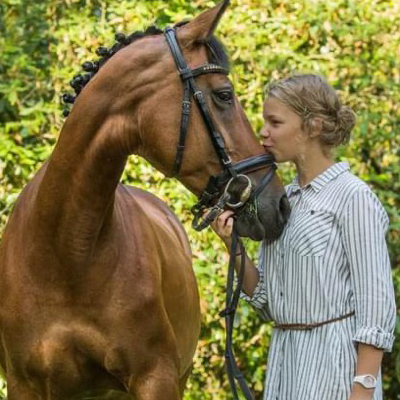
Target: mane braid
{"x": 91, "y": 67}
{"x": 215, "y": 51}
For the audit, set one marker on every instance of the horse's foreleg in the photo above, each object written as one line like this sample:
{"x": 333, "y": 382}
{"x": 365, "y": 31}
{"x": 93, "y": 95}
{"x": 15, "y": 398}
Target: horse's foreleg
{"x": 162, "y": 382}
{"x": 20, "y": 391}
{"x": 183, "y": 380}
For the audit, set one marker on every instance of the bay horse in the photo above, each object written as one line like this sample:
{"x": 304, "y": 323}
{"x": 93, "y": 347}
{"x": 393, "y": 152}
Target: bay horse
{"x": 98, "y": 298}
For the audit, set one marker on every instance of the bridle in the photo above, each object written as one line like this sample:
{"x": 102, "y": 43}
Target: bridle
{"x": 230, "y": 172}
{"x": 208, "y": 199}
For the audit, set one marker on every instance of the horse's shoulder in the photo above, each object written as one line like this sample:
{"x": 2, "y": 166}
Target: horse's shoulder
{"x": 134, "y": 198}
{"x": 140, "y": 205}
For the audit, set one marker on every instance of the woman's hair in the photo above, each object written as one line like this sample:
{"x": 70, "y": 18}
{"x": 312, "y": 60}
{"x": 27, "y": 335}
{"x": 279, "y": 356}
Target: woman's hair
{"x": 310, "y": 96}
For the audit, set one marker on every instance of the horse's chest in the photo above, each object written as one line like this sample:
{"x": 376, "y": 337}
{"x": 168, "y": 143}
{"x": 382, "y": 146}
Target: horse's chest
{"x": 68, "y": 359}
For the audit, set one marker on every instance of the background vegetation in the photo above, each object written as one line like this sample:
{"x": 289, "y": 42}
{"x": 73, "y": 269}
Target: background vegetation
{"x": 355, "y": 44}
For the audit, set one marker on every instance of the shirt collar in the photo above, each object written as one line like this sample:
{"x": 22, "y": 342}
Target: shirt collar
{"x": 321, "y": 180}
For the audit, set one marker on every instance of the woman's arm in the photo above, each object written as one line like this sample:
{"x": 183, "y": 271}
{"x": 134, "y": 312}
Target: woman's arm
{"x": 251, "y": 275}
{"x": 364, "y": 226}
{"x": 369, "y": 360}
{"x": 223, "y": 228}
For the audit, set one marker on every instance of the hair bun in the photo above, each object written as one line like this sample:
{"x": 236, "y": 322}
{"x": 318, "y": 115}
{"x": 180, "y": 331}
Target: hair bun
{"x": 310, "y": 96}
{"x": 346, "y": 119}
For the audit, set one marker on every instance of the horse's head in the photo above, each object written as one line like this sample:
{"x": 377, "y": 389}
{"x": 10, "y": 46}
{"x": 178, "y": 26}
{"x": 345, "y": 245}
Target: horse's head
{"x": 143, "y": 93}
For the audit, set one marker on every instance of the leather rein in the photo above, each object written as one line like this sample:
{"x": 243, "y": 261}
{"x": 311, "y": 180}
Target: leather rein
{"x": 209, "y": 200}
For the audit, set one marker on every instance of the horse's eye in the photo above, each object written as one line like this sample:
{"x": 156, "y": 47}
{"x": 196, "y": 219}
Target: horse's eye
{"x": 225, "y": 96}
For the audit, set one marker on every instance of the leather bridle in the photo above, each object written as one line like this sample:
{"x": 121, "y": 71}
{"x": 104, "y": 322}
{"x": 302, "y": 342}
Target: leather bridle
{"x": 230, "y": 171}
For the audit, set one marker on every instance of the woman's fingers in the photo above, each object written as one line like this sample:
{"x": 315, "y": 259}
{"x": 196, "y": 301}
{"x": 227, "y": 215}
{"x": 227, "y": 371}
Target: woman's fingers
{"x": 223, "y": 224}
{"x": 224, "y": 218}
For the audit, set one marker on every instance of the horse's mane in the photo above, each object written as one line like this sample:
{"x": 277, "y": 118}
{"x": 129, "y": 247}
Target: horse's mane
{"x": 215, "y": 51}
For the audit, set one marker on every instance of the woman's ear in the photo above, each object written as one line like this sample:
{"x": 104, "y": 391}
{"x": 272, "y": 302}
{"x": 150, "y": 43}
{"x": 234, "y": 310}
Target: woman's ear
{"x": 316, "y": 125}
{"x": 201, "y": 28}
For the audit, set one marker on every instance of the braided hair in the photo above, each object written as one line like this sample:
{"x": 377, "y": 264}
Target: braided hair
{"x": 90, "y": 68}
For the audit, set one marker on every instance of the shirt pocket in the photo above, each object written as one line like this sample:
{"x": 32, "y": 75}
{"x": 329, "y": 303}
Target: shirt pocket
{"x": 310, "y": 232}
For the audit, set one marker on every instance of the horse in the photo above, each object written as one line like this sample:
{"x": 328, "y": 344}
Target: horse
{"x": 98, "y": 298}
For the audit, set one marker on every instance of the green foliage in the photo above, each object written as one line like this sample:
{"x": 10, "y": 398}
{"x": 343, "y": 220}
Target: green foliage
{"x": 356, "y": 45}
{"x": 3, "y": 390}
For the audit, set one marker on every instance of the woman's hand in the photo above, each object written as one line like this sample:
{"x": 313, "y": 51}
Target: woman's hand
{"x": 223, "y": 226}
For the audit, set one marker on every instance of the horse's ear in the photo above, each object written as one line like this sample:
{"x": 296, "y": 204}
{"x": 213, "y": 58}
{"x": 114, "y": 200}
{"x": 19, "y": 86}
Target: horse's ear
{"x": 201, "y": 28}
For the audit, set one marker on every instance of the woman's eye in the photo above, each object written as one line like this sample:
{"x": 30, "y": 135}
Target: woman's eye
{"x": 225, "y": 96}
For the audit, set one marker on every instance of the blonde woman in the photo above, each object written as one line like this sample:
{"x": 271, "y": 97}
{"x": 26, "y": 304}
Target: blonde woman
{"x": 326, "y": 282}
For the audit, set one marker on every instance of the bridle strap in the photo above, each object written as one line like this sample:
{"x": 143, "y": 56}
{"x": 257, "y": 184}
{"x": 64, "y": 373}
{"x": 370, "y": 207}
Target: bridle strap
{"x": 263, "y": 182}
{"x": 185, "y": 75}
{"x": 246, "y": 166}
{"x": 183, "y": 129}
{"x": 190, "y": 88}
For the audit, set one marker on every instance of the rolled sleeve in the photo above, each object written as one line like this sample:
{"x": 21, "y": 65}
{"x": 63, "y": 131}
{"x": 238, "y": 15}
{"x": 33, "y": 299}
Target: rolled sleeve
{"x": 259, "y": 300}
{"x": 259, "y": 297}
{"x": 374, "y": 336}
{"x": 364, "y": 228}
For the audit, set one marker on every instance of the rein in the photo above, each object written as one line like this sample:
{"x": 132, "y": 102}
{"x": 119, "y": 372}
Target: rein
{"x": 231, "y": 303}
{"x": 209, "y": 200}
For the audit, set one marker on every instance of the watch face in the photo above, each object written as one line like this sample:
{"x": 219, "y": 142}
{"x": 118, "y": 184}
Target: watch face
{"x": 369, "y": 381}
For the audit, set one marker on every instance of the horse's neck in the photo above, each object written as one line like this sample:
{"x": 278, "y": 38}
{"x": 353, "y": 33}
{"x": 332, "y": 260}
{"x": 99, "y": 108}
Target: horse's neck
{"x": 76, "y": 193}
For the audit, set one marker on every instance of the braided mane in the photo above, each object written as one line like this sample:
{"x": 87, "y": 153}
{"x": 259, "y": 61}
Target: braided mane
{"x": 216, "y": 54}
{"x": 91, "y": 67}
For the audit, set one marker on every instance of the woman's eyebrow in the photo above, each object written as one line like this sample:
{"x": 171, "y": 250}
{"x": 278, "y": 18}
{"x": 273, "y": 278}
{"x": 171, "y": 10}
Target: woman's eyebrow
{"x": 266, "y": 115}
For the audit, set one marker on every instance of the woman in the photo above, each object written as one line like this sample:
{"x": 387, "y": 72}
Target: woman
{"x": 326, "y": 282}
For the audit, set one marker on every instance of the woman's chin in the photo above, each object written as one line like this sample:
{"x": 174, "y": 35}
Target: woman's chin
{"x": 278, "y": 158}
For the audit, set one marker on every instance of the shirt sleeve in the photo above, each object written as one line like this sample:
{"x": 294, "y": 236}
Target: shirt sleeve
{"x": 259, "y": 300}
{"x": 364, "y": 228}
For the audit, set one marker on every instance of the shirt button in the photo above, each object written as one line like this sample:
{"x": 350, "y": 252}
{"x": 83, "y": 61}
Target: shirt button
{"x": 312, "y": 212}
{"x": 281, "y": 294}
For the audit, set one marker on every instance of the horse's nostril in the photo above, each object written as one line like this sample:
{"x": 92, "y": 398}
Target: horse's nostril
{"x": 284, "y": 208}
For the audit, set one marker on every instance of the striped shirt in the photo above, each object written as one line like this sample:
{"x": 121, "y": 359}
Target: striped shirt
{"x": 330, "y": 260}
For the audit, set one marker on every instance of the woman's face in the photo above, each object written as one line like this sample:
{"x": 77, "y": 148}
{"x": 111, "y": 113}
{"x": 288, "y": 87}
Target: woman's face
{"x": 282, "y": 133}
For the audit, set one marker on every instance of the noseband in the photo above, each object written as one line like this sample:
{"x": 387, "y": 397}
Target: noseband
{"x": 230, "y": 172}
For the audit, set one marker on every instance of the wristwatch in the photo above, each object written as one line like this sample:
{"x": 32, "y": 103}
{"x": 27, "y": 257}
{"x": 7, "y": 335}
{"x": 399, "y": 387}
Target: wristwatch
{"x": 368, "y": 381}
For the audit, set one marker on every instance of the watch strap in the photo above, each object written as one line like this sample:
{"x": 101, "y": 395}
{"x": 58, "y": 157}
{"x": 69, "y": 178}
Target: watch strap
{"x": 368, "y": 381}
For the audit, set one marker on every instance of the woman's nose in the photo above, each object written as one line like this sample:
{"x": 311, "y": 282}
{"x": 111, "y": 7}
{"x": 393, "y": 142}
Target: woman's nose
{"x": 264, "y": 133}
